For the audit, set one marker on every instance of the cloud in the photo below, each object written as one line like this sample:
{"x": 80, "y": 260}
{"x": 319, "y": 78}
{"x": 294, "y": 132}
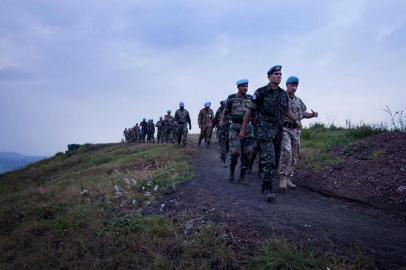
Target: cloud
{"x": 74, "y": 76}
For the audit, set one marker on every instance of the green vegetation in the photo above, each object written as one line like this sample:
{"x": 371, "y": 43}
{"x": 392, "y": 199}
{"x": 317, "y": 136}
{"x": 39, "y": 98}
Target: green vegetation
{"x": 318, "y": 141}
{"x": 82, "y": 210}
{"x": 280, "y": 254}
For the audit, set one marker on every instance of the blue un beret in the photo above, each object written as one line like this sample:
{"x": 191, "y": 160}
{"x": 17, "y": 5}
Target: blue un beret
{"x": 207, "y": 104}
{"x": 274, "y": 68}
{"x": 241, "y": 82}
{"x": 292, "y": 80}
{"x": 181, "y": 104}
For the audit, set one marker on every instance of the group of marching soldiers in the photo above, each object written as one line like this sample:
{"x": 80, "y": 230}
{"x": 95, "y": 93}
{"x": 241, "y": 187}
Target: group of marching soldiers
{"x": 266, "y": 124}
{"x": 168, "y": 128}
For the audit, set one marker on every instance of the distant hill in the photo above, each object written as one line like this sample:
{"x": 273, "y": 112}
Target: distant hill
{"x": 10, "y": 161}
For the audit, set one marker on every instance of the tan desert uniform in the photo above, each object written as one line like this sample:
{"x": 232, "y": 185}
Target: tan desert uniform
{"x": 291, "y": 139}
{"x": 205, "y": 121}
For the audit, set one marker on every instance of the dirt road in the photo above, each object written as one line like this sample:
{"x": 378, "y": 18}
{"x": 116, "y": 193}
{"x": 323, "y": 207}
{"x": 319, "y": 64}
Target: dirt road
{"x": 329, "y": 225}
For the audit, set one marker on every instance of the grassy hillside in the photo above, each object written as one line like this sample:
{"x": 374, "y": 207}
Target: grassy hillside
{"x": 318, "y": 141}
{"x": 84, "y": 211}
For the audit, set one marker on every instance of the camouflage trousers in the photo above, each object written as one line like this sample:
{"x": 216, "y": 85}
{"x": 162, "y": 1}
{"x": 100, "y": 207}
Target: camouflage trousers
{"x": 205, "y": 133}
{"x": 269, "y": 157}
{"x": 181, "y": 133}
{"x": 240, "y": 147}
{"x": 289, "y": 151}
{"x": 169, "y": 138}
{"x": 223, "y": 138}
{"x": 159, "y": 136}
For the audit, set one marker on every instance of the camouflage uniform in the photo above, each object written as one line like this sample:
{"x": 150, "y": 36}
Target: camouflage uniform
{"x": 159, "y": 136}
{"x": 236, "y": 107}
{"x": 182, "y": 119}
{"x": 144, "y": 130}
{"x": 271, "y": 108}
{"x": 126, "y": 135}
{"x": 291, "y": 138}
{"x": 151, "y": 131}
{"x": 169, "y": 126}
{"x": 205, "y": 121}
{"x": 222, "y": 133}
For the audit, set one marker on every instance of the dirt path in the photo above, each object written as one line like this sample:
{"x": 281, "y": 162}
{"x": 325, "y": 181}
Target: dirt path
{"x": 330, "y": 224}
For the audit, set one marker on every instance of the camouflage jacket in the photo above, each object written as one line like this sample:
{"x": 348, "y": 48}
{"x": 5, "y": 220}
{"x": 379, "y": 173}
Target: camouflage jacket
{"x": 271, "y": 108}
{"x": 298, "y": 108}
{"x": 205, "y": 118}
{"x": 216, "y": 121}
{"x": 182, "y": 116}
{"x": 160, "y": 124}
{"x": 169, "y": 121}
{"x": 236, "y": 107}
{"x": 144, "y": 126}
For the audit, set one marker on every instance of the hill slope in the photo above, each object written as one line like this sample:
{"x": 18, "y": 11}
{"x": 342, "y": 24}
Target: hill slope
{"x": 10, "y": 161}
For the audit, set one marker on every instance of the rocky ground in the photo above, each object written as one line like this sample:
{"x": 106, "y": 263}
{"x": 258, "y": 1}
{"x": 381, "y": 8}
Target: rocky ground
{"x": 329, "y": 225}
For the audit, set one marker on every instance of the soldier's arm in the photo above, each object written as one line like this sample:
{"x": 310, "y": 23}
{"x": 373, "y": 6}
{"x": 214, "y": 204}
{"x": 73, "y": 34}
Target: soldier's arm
{"x": 310, "y": 115}
{"x": 247, "y": 118}
{"x": 189, "y": 121}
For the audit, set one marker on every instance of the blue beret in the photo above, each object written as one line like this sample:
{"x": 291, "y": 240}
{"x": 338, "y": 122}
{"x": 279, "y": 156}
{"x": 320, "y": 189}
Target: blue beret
{"x": 181, "y": 104}
{"x": 292, "y": 80}
{"x": 207, "y": 104}
{"x": 241, "y": 82}
{"x": 274, "y": 68}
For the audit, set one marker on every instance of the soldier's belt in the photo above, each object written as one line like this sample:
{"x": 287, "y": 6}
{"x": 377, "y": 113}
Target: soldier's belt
{"x": 290, "y": 125}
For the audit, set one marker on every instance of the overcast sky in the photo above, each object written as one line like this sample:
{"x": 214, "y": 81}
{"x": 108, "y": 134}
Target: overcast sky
{"x": 81, "y": 71}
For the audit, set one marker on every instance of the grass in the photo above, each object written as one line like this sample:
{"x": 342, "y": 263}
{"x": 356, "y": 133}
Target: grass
{"x": 318, "y": 141}
{"x": 81, "y": 210}
{"x": 280, "y": 254}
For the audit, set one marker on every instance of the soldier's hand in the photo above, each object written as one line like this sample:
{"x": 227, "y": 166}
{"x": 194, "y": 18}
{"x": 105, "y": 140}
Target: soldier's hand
{"x": 190, "y": 127}
{"x": 242, "y": 134}
{"x": 315, "y": 114}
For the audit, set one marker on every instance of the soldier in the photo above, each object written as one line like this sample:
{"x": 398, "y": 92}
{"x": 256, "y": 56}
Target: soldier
{"x": 137, "y": 132}
{"x": 271, "y": 105}
{"x": 256, "y": 149}
{"x": 291, "y": 135}
{"x": 222, "y": 132}
{"x": 169, "y": 125}
{"x": 236, "y": 107}
{"x": 144, "y": 129}
{"x": 151, "y": 131}
{"x": 182, "y": 119}
{"x": 125, "y": 133}
{"x": 159, "y": 136}
{"x": 205, "y": 121}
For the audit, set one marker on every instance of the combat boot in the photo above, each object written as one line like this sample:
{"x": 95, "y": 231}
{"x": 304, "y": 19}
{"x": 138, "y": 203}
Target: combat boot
{"x": 231, "y": 176}
{"x": 282, "y": 183}
{"x": 242, "y": 179}
{"x": 289, "y": 183}
{"x": 270, "y": 195}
